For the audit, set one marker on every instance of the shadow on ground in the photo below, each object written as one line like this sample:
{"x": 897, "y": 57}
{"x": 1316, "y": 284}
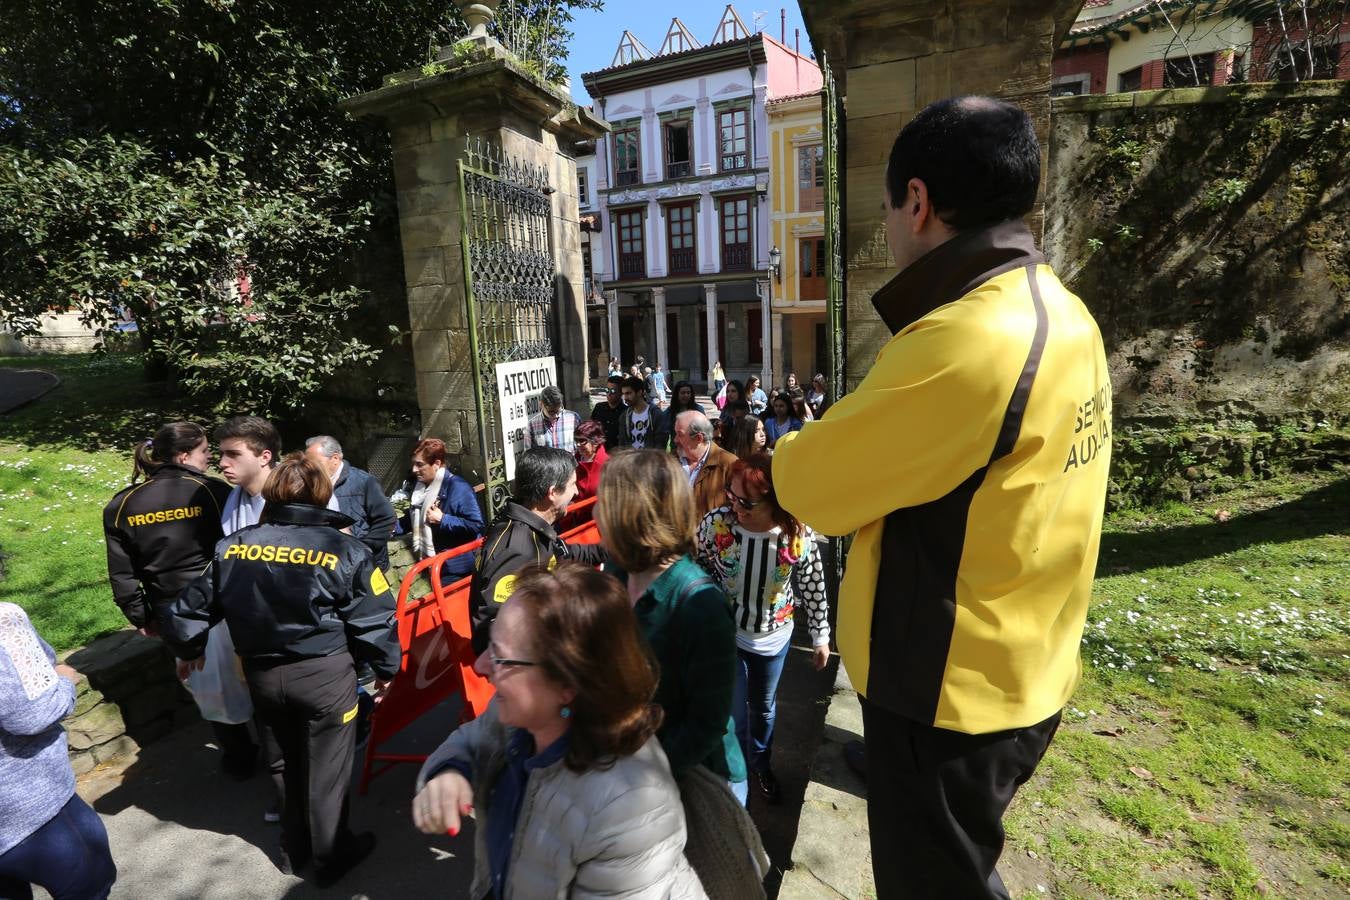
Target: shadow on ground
{"x": 1316, "y": 513}
{"x": 181, "y": 830}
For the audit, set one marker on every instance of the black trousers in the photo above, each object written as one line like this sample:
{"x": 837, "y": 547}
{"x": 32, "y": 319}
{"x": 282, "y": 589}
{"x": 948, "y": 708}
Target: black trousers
{"x": 309, "y": 706}
{"x": 236, "y": 744}
{"x": 935, "y": 802}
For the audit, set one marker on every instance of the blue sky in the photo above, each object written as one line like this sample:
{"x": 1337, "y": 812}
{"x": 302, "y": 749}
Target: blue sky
{"x": 597, "y": 33}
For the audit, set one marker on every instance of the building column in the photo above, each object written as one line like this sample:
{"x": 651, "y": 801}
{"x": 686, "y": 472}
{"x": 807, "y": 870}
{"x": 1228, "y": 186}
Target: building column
{"x": 659, "y": 307}
{"x": 612, "y": 302}
{"x": 767, "y": 349}
{"x": 779, "y": 345}
{"x": 710, "y": 300}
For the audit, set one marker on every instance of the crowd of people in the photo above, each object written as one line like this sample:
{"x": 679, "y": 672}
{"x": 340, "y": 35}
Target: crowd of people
{"x": 636, "y": 679}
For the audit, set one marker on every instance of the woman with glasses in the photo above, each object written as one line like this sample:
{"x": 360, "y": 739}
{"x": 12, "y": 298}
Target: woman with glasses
{"x": 766, "y": 563}
{"x": 591, "y": 458}
{"x": 647, "y": 523}
{"x": 444, "y": 511}
{"x": 574, "y": 796}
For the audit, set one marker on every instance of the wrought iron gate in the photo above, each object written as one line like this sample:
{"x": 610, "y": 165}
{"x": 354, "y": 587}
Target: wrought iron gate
{"x": 505, "y": 211}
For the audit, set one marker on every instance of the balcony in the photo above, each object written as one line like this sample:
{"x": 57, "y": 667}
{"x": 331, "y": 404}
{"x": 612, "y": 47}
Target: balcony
{"x": 628, "y": 179}
{"x": 735, "y": 257}
{"x": 679, "y": 169}
{"x": 632, "y": 265}
{"x": 683, "y": 262}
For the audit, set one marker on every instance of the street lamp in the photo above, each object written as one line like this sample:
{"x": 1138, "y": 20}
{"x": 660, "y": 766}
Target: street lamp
{"x": 775, "y": 263}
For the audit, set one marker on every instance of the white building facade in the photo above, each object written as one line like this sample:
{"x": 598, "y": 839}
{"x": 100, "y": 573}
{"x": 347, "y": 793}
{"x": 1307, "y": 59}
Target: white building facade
{"x": 681, "y": 189}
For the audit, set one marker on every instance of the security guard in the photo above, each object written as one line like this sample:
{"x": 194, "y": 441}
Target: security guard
{"x": 301, "y": 600}
{"x": 161, "y": 533}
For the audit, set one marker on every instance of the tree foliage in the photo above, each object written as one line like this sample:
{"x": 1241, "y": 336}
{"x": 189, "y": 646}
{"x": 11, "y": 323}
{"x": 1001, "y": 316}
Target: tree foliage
{"x": 153, "y": 150}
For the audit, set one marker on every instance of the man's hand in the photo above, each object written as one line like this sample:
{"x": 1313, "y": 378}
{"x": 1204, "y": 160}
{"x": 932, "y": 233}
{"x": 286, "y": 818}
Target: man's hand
{"x": 820, "y": 656}
{"x": 187, "y": 666}
{"x": 434, "y": 515}
{"x": 437, "y": 809}
{"x": 148, "y": 630}
{"x": 68, "y": 673}
{"x": 379, "y": 689}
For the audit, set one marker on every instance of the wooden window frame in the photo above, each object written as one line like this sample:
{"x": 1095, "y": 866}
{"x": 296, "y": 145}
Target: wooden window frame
{"x": 692, "y": 249}
{"x": 811, "y": 197}
{"x": 812, "y": 287}
{"x": 722, "y": 155}
{"x": 633, "y": 176}
{"x": 688, "y": 164}
{"x": 736, "y": 263}
{"x": 627, "y": 271}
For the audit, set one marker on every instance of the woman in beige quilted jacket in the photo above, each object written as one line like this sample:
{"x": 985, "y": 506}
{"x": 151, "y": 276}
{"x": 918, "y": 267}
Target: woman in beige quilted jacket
{"x": 573, "y": 793}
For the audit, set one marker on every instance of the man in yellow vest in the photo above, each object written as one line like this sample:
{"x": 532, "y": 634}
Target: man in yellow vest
{"x": 971, "y": 465}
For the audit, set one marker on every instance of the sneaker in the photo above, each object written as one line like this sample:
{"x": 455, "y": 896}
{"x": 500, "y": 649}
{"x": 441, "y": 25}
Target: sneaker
{"x": 272, "y": 816}
{"x": 350, "y": 856}
{"x": 768, "y": 786}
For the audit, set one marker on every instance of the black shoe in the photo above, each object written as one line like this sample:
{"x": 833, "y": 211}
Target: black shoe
{"x": 768, "y": 786}
{"x": 291, "y": 863}
{"x": 350, "y": 856}
{"x": 855, "y": 754}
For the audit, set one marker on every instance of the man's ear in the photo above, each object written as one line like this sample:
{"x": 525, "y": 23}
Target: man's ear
{"x": 920, "y": 207}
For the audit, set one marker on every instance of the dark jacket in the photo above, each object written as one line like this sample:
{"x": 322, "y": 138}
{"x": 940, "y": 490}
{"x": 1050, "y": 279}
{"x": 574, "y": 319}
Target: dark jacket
{"x": 360, "y": 498}
{"x": 161, "y": 533}
{"x": 658, "y": 429}
{"x": 461, "y": 523}
{"x": 609, "y": 417}
{"x": 685, "y": 617}
{"x": 291, "y": 587}
{"x": 516, "y": 538}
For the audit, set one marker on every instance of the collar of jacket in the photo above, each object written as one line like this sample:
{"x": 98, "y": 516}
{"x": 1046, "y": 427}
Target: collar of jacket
{"x": 953, "y": 269}
{"x": 174, "y": 470}
{"x": 528, "y": 517}
{"x": 304, "y": 514}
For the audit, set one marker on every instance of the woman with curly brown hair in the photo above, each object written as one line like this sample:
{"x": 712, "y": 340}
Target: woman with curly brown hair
{"x": 574, "y": 794}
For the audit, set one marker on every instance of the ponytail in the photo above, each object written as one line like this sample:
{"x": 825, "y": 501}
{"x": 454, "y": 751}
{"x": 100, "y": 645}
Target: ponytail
{"x": 171, "y": 440}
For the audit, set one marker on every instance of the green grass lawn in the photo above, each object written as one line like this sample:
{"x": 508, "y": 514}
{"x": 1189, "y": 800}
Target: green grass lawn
{"x": 1206, "y": 752}
{"x": 61, "y": 459}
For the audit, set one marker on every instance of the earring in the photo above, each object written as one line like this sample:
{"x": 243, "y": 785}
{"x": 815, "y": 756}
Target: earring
{"x": 565, "y": 712}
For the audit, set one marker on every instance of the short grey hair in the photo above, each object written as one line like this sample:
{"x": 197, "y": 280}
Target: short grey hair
{"x": 551, "y": 396}
{"x": 697, "y": 423}
{"x": 326, "y": 443}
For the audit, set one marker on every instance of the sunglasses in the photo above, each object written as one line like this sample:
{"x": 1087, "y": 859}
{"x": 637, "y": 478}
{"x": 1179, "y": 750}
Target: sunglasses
{"x": 743, "y": 503}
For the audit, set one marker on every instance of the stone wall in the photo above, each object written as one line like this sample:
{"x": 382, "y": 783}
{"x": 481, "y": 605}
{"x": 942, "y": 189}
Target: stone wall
{"x": 128, "y": 696}
{"x": 1208, "y": 230}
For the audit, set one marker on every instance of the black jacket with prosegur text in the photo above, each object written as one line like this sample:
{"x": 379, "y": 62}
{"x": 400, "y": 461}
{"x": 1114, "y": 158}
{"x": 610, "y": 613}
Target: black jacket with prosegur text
{"x": 160, "y": 535}
{"x": 291, "y": 587}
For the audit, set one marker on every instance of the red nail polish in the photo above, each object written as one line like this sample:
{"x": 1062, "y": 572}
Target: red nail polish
{"x": 453, "y": 832}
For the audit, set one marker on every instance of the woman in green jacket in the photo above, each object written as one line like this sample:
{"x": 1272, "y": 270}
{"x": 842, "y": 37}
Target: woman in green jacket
{"x": 647, "y": 521}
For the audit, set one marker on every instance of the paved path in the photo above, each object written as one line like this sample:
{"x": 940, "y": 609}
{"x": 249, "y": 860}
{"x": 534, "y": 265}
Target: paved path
{"x": 21, "y": 386}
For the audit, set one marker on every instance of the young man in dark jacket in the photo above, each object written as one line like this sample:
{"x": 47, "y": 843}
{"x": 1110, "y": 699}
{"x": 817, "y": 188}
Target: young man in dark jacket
{"x": 609, "y": 412}
{"x": 358, "y": 495}
{"x": 523, "y": 534}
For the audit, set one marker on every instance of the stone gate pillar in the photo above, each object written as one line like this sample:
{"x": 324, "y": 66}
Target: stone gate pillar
{"x": 476, "y": 90}
{"x": 890, "y": 60}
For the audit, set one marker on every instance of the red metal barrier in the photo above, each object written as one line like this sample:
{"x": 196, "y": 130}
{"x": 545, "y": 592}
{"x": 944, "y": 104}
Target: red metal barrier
{"x": 435, "y": 631}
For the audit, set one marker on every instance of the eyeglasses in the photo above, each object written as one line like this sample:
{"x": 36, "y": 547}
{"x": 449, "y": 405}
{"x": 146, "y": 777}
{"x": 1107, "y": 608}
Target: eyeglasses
{"x": 743, "y": 503}
{"x": 502, "y": 662}
{"x": 611, "y": 390}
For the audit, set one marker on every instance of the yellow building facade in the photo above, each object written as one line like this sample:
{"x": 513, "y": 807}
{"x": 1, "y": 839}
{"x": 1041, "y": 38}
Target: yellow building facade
{"x": 797, "y": 227}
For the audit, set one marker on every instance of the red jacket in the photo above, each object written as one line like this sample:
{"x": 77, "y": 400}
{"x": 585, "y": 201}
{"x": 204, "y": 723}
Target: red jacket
{"x": 588, "y": 475}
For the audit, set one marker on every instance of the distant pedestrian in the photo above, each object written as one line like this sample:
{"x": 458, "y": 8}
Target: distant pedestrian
{"x": 591, "y": 458}
{"x": 659, "y": 381}
{"x": 755, "y": 396}
{"x": 958, "y": 465}
{"x": 782, "y": 422}
{"x": 615, "y": 367}
{"x": 553, "y": 426}
{"x": 735, "y": 392}
{"x": 643, "y": 425}
{"x": 609, "y": 412}
{"x": 571, "y": 793}
{"x": 768, "y": 564}
{"x": 359, "y": 497}
{"x": 817, "y": 397}
{"x": 48, "y": 835}
{"x": 443, "y": 512}
{"x": 717, "y": 378}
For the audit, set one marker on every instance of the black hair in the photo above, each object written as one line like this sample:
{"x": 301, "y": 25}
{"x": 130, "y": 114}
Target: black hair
{"x": 675, "y": 407}
{"x": 616, "y": 379}
{"x": 978, "y": 157}
{"x": 541, "y": 468}
{"x": 168, "y": 442}
{"x": 636, "y": 383}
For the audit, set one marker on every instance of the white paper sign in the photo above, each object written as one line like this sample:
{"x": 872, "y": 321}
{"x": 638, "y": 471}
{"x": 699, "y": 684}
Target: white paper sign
{"x": 518, "y": 387}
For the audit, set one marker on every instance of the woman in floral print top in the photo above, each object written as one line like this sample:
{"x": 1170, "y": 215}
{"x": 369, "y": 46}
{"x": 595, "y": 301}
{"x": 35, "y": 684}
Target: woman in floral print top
{"x": 767, "y": 563}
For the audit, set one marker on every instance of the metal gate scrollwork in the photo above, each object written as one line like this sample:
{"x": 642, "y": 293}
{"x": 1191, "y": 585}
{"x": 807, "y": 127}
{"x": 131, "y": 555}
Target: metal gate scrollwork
{"x": 505, "y": 208}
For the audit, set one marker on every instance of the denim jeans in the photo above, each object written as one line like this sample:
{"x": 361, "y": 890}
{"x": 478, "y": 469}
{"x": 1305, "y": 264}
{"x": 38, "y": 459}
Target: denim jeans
{"x": 68, "y": 856}
{"x": 755, "y": 704}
